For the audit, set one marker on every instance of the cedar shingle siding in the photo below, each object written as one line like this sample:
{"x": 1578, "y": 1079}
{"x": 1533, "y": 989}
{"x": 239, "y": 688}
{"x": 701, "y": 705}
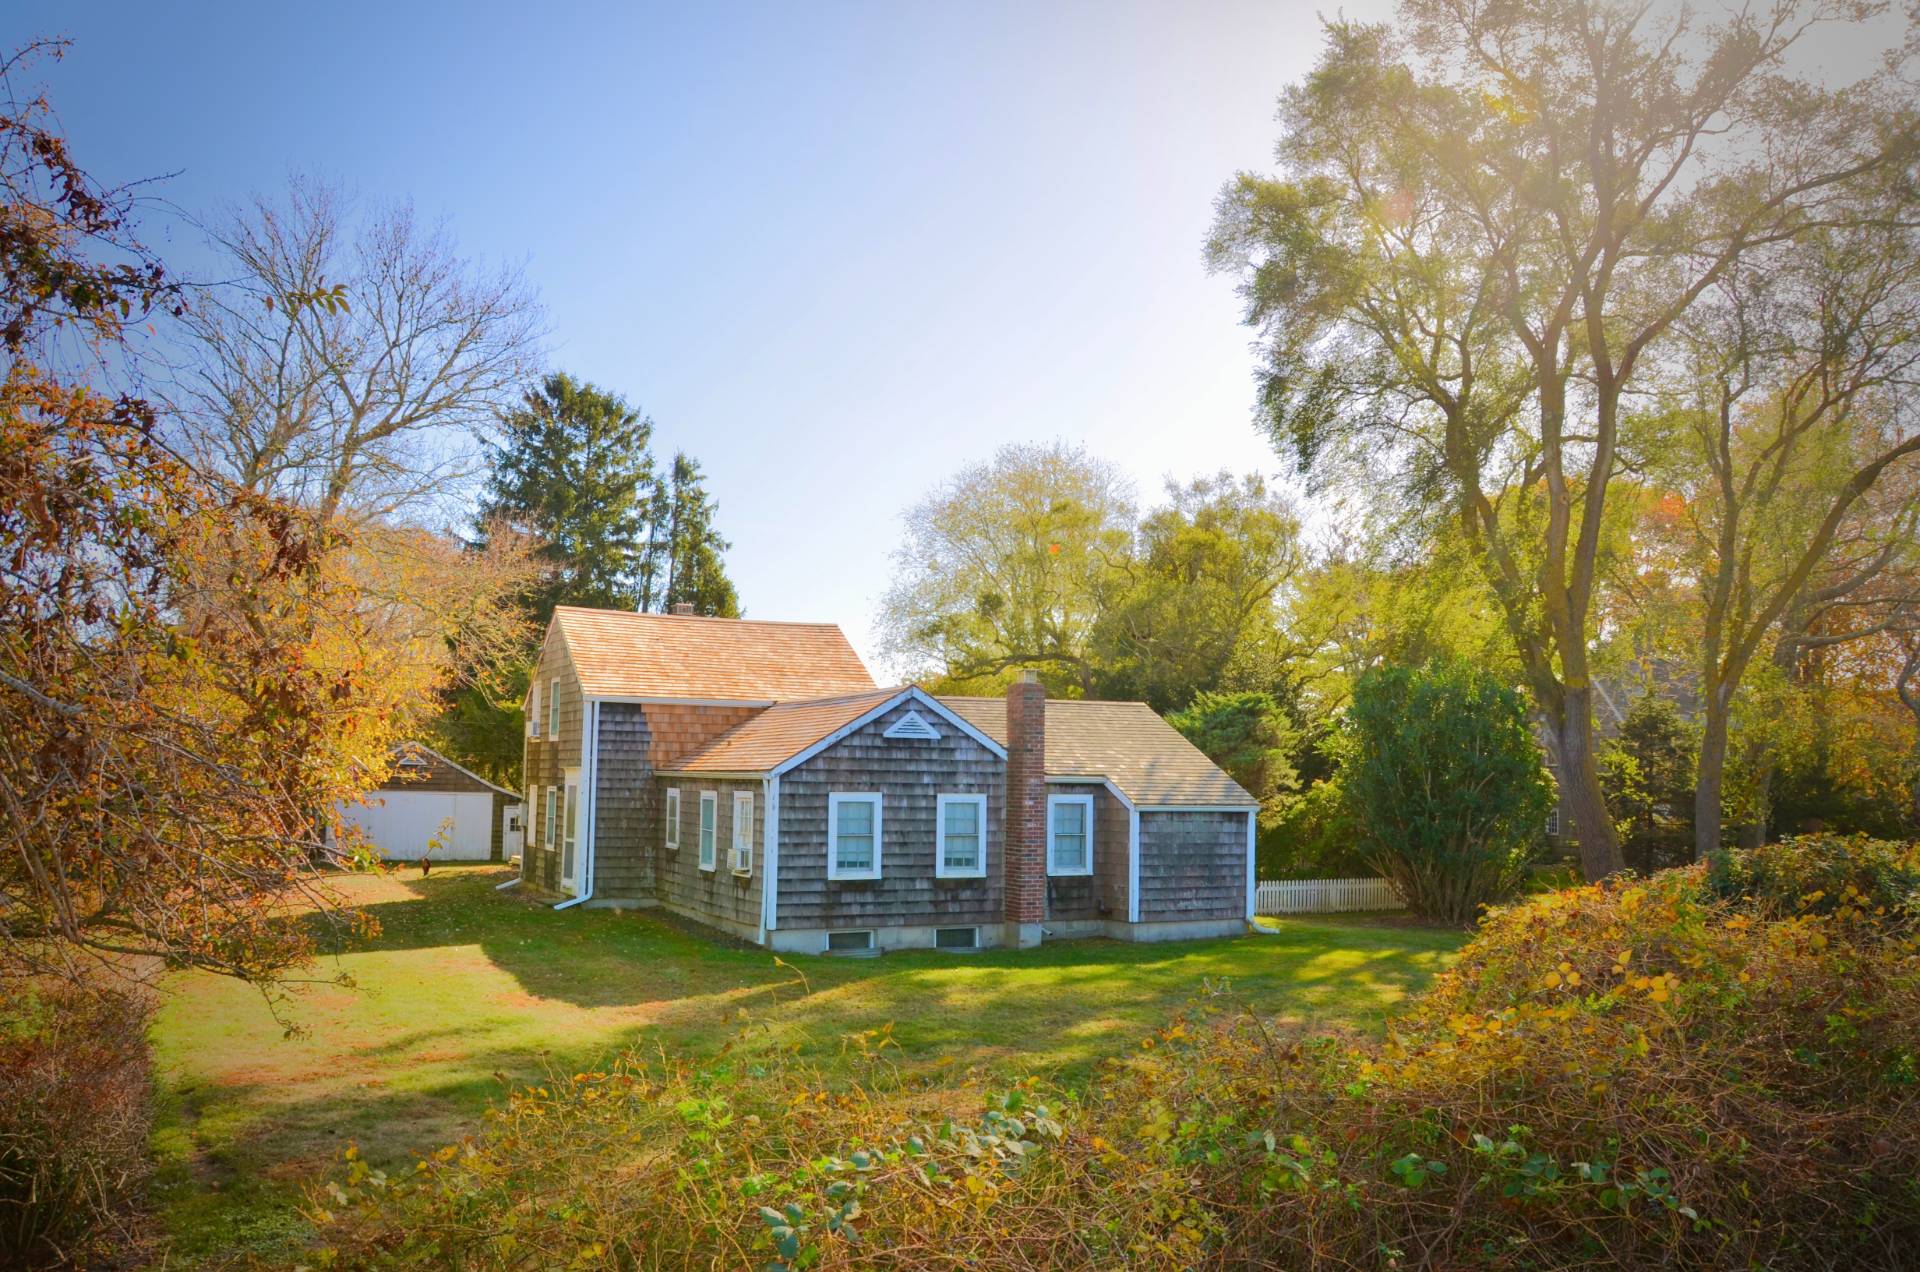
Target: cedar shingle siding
{"x": 728, "y": 901}
{"x": 1192, "y": 867}
{"x": 909, "y": 775}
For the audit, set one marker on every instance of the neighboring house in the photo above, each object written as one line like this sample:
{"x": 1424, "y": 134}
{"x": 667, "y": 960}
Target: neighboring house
{"x": 751, "y": 776}
{"x": 1614, "y": 695}
{"x": 426, "y": 790}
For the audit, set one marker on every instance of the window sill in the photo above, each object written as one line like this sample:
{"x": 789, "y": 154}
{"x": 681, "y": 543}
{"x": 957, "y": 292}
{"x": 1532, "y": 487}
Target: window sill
{"x": 960, "y": 875}
{"x": 743, "y": 874}
{"x": 709, "y": 869}
{"x": 1071, "y": 874}
{"x": 854, "y": 878}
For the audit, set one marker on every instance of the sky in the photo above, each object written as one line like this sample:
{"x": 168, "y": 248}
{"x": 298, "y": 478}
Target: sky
{"x": 835, "y": 251}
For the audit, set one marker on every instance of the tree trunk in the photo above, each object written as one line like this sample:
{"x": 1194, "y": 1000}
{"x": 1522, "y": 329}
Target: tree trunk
{"x": 1599, "y": 840}
{"x": 1708, "y": 777}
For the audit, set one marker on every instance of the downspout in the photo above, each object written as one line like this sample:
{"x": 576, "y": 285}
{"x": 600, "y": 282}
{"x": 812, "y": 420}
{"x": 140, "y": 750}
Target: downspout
{"x": 589, "y": 780}
{"x": 770, "y": 862}
{"x": 1253, "y": 885}
{"x": 1133, "y": 852}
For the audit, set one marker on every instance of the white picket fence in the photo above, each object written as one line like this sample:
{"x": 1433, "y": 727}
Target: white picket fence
{"x": 1325, "y": 896}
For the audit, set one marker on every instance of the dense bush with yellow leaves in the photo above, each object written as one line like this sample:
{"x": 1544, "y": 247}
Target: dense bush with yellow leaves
{"x": 1703, "y": 1069}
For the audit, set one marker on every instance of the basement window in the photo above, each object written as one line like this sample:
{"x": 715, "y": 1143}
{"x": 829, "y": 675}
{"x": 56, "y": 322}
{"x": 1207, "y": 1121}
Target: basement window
{"x": 961, "y": 938}
{"x": 850, "y": 942}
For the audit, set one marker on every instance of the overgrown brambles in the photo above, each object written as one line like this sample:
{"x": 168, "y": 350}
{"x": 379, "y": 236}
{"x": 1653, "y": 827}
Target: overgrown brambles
{"x": 1682, "y": 1071}
{"x": 73, "y": 1120}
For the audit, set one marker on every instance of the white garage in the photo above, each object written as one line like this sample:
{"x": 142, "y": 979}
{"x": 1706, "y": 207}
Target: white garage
{"x": 402, "y": 823}
{"x": 429, "y": 795}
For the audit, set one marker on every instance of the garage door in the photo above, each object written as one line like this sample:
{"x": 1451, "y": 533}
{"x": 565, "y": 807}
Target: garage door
{"x": 401, "y": 822}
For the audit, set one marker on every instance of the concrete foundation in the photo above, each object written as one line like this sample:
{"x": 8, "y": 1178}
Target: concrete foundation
{"x": 1012, "y": 936}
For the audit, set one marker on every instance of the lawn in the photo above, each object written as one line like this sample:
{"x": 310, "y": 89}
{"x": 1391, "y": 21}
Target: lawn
{"x": 466, "y": 987}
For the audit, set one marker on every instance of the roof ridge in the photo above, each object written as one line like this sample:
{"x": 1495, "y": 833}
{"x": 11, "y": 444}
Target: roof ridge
{"x": 876, "y": 691}
{"x": 1052, "y": 702}
{"x": 711, "y": 618}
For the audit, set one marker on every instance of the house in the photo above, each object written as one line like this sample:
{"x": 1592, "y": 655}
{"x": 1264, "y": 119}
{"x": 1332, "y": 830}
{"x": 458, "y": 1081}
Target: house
{"x": 426, "y": 793}
{"x": 751, "y": 776}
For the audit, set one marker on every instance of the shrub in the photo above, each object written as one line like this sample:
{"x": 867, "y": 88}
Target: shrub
{"x": 1313, "y": 836}
{"x": 1677, "y": 1072}
{"x": 74, "y": 1116}
{"x": 1446, "y": 784}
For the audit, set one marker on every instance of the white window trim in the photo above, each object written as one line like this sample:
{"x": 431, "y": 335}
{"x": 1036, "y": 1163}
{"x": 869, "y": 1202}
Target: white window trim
{"x": 550, "y": 838}
{"x": 941, "y": 870}
{"x": 533, "y": 815}
{"x": 834, "y": 800}
{"x": 533, "y": 711}
{"x": 1085, "y": 801}
{"x": 670, "y": 818}
{"x": 709, "y": 831}
{"x": 553, "y": 710}
{"x": 741, "y": 858}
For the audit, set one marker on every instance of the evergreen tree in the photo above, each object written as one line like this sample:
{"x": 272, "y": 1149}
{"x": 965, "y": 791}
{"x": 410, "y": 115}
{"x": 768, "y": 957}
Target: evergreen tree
{"x": 574, "y": 469}
{"x": 694, "y": 572}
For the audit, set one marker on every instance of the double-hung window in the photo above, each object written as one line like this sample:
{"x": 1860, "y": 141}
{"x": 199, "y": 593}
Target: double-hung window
{"x": 553, "y": 811}
{"x": 741, "y": 861}
{"x": 853, "y": 835}
{"x": 533, "y": 711}
{"x": 960, "y": 837}
{"x": 533, "y": 816}
{"x": 553, "y": 710}
{"x": 1070, "y": 835}
{"x": 671, "y": 819}
{"x": 709, "y": 816}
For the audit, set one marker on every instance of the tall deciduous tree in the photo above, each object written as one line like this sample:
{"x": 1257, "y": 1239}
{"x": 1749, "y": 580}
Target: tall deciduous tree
{"x": 1805, "y": 361}
{"x": 1488, "y": 221}
{"x": 1199, "y": 584}
{"x": 1004, "y": 567}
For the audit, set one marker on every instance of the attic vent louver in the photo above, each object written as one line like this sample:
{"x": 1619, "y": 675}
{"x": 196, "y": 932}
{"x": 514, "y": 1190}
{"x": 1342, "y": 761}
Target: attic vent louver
{"x": 913, "y": 725}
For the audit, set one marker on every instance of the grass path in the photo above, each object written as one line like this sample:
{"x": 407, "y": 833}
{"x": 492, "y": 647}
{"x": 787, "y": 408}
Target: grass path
{"x": 465, "y": 988}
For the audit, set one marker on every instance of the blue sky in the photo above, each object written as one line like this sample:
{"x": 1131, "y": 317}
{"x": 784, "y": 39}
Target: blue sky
{"x": 836, "y": 251}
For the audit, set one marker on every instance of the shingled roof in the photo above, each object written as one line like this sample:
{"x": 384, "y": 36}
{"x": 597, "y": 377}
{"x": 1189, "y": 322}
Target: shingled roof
{"x": 1127, "y": 743}
{"x": 620, "y": 654}
{"x": 779, "y": 733}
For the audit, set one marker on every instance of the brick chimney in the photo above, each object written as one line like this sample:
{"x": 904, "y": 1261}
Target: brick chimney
{"x": 1024, "y": 859}
{"x": 683, "y": 609}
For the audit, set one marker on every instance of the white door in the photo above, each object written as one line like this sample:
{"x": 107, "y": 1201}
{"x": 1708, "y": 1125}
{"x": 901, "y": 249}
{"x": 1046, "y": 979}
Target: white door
{"x": 401, "y": 824}
{"x": 512, "y": 832}
{"x": 570, "y": 832}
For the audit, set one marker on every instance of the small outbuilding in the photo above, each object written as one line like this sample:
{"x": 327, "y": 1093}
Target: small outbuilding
{"x": 425, "y": 792}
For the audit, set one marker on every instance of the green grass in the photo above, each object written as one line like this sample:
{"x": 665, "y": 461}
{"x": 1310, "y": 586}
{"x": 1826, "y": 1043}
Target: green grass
{"x": 466, "y": 987}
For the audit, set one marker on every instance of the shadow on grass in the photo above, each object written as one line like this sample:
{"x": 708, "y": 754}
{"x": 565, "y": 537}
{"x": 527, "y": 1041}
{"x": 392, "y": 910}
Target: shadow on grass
{"x": 243, "y": 1135}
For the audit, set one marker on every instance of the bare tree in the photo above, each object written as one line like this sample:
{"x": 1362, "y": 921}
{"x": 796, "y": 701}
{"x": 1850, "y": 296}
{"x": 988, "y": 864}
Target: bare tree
{"x": 352, "y": 363}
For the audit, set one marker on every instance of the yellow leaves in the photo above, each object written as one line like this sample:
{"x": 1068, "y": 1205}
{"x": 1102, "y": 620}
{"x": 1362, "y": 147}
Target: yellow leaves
{"x": 1551, "y": 980}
